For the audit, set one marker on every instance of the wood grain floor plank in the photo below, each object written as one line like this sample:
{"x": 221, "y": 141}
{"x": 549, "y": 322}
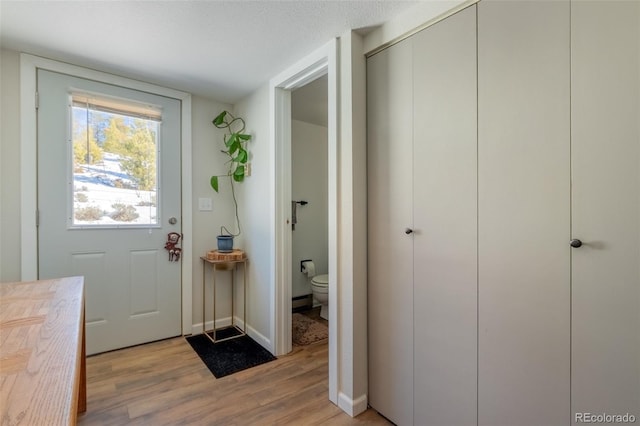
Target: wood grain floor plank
{"x": 166, "y": 383}
{"x": 313, "y": 412}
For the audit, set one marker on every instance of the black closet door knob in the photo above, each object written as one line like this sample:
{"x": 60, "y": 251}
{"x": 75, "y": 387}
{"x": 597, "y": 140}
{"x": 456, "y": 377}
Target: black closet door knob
{"x": 575, "y": 243}
{"x": 408, "y": 231}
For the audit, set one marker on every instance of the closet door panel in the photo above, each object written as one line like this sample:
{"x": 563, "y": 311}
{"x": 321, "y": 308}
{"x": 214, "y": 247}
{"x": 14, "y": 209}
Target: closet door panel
{"x": 390, "y": 270}
{"x": 523, "y": 213}
{"x": 445, "y": 222}
{"x": 606, "y": 207}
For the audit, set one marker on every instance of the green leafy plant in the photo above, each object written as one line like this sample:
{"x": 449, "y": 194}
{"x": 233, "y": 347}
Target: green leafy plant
{"x": 235, "y": 142}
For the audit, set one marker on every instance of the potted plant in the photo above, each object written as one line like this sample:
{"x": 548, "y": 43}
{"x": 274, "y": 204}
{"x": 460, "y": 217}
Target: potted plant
{"x": 235, "y": 143}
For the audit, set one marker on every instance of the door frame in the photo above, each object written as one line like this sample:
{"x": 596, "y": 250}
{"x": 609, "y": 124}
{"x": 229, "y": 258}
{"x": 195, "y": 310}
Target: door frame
{"x": 29, "y": 64}
{"x": 322, "y": 61}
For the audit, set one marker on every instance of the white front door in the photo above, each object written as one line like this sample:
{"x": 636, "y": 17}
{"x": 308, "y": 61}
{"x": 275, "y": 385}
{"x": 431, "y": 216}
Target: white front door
{"x": 108, "y": 196}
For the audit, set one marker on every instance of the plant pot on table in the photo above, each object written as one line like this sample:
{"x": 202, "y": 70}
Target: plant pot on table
{"x": 225, "y": 243}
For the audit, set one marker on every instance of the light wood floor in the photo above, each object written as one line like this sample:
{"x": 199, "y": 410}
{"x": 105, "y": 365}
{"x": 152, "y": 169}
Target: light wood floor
{"x": 165, "y": 383}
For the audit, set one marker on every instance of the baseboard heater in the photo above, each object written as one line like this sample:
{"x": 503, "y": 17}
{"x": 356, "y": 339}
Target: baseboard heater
{"x": 302, "y": 303}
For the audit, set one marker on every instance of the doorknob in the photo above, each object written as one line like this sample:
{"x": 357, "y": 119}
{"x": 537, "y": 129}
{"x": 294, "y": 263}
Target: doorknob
{"x": 408, "y": 231}
{"x": 575, "y": 243}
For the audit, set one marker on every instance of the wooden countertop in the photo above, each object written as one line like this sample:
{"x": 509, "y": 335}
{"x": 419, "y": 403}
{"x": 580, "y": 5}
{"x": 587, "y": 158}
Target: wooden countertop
{"x": 42, "y": 352}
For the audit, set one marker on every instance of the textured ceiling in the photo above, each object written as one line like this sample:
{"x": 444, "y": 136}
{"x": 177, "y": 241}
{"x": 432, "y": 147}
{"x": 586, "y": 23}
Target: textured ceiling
{"x": 219, "y": 49}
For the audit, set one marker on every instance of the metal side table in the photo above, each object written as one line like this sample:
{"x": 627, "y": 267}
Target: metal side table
{"x": 229, "y": 262}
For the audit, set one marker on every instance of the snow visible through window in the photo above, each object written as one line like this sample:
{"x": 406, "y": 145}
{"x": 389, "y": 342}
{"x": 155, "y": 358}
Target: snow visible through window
{"x": 114, "y": 157}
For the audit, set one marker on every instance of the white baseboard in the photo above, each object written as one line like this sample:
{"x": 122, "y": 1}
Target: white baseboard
{"x": 220, "y": 322}
{"x": 225, "y": 322}
{"x": 261, "y": 339}
{"x": 352, "y": 407}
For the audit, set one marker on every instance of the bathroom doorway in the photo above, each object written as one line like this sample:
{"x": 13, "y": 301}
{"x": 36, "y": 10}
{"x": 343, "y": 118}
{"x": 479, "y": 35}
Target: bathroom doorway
{"x": 309, "y": 216}
{"x": 323, "y": 61}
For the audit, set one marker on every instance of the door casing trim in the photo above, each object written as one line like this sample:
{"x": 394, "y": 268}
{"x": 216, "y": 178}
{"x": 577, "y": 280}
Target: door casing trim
{"x": 320, "y": 62}
{"x": 29, "y": 64}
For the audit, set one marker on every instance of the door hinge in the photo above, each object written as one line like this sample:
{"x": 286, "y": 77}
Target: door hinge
{"x": 37, "y": 98}
{"x": 37, "y": 218}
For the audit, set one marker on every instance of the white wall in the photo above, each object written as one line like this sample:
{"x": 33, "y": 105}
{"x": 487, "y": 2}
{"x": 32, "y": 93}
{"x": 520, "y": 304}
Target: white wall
{"x": 256, "y": 213}
{"x": 9, "y": 166}
{"x": 309, "y": 175}
{"x": 207, "y": 161}
{"x": 352, "y": 225}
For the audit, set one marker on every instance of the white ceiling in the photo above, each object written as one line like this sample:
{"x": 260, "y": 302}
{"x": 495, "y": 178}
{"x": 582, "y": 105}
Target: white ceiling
{"x": 218, "y": 49}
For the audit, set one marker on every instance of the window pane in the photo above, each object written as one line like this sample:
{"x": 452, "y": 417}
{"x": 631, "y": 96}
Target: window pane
{"x": 114, "y": 168}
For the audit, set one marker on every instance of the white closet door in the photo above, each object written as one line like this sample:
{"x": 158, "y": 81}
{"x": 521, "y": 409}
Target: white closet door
{"x": 523, "y": 213}
{"x": 445, "y": 222}
{"x": 390, "y": 273}
{"x": 606, "y": 207}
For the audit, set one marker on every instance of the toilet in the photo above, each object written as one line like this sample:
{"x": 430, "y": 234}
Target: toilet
{"x": 320, "y": 290}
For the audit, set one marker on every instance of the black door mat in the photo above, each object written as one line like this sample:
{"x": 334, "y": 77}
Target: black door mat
{"x": 229, "y": 356}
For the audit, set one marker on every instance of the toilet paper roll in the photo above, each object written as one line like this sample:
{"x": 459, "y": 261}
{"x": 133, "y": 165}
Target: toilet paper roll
{"x": 309, "y": 268}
